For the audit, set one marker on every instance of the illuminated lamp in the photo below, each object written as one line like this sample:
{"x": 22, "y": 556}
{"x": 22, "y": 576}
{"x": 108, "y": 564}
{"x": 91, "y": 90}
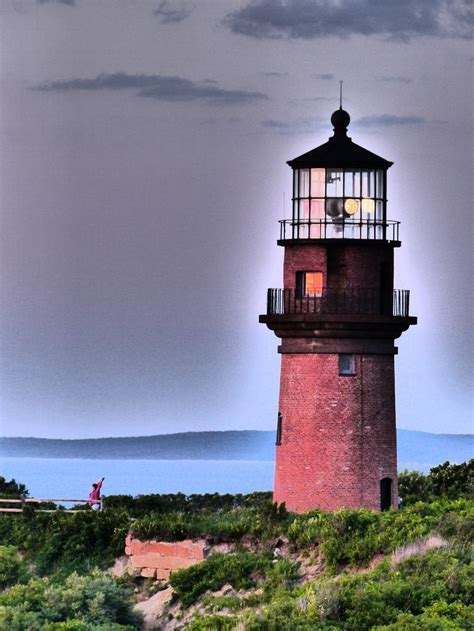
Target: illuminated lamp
{"x": 368, "y": 206}
{"x": 351, "y": 206}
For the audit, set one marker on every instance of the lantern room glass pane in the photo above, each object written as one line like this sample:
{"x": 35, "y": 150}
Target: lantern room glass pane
{"x": 379, "y": 211}
{"x": 352, "y": 183}
{"x": 317, "y": 209}
{"x": 318, "y": 177}
{"x": 380, "y": 193}
{"x": 304, "y": 183}
{"x": 334, "y": 183}
{"x": 304, "y": 209}
{"x": 368, "y": 183}
{"x": 368, "y": 209}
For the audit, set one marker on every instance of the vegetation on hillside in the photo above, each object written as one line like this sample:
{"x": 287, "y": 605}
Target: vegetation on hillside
{"x": 319, "y": 570}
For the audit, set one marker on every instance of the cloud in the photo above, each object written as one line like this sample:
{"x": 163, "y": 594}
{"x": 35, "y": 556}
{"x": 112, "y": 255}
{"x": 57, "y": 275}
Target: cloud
{"x": 69, "y": 3}
{"x": 312, "y": 125}
{"x": 275, "y": 74}
{"x": 325, "y": 76}
{"x": 390, "y": 79}
{"x": 173, "y": 11}
{"x": 308, "y": 19}
{"x": 157, "y": 87}
{"x": 388, "y": 120}
{"x": 301, "y": 126}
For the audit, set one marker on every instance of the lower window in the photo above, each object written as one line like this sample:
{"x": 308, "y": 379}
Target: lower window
{"x": 346, "y": 364}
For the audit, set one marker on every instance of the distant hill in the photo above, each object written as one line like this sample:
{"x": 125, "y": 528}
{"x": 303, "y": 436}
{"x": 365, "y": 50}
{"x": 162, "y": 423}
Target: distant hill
{"x": 416, "y": 450}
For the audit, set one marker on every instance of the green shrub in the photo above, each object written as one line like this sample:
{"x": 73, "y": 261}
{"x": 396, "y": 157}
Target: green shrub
{"x": 440, "y": 616}
{"x": 96, "y": 599}
{"x": 62, "y": 543}
{"x": 451, "y": 481}
{"x": 12, "y": 489}
{"x": 242, "y": 570}
{"x": 215, "y": 622}
{"x": 12, "y": 568}
{"x": 143, "y": 505}
{"x": 221, "y": 525}
{"x": 414, "y": 486}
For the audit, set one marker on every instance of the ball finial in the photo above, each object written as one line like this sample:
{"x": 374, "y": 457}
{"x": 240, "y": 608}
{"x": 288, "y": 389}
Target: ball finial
{"x": 340, "y": 120}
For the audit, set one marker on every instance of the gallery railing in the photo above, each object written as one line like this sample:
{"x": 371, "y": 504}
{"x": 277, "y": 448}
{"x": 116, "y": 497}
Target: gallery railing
{"x": 340, "y": 302}
{"x": 339, "y": 229}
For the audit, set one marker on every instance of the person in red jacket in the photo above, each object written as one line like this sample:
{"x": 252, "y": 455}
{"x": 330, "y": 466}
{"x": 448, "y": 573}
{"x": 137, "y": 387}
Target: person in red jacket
{"x": 94, "y": 495}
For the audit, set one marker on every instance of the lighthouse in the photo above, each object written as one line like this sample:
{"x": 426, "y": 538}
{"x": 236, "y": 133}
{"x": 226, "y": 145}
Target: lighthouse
{"x": 337, "y": 317}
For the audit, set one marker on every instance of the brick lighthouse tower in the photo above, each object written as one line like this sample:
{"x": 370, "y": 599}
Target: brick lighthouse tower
{"x": 338, "y": 316}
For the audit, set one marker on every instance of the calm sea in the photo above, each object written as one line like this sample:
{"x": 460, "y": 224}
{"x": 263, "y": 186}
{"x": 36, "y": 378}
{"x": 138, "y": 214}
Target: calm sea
{"x": 72, "y": 478}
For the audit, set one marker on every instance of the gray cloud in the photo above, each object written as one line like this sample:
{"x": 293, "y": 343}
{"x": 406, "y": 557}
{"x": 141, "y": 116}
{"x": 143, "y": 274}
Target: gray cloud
{"x": 69, "y": 3}
{"x": 395, "y": 79}
{"x": 309, "y": 125}
{"x": 156, "y": 87}
{"x": 325, "y": 76}
{"x": 308, "y": 19}
{"x": 173, "y": 11}
{"x": 301, "y": 126}
{"x": 275, "y": 74}
{"x": 388, "y": 120}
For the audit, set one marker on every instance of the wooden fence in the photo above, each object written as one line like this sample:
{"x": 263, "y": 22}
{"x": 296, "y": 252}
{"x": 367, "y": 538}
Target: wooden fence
{"x": 23, "y": 501}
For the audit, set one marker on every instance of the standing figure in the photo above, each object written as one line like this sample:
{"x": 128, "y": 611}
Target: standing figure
{"x": 94, "y": 495}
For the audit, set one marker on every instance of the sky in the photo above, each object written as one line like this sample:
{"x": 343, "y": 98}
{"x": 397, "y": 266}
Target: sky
{"x": 143, "y": 149}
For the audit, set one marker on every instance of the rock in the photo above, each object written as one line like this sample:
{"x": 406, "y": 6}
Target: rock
{"x": 120, "y": 566}
{"x": 154, "y": 608}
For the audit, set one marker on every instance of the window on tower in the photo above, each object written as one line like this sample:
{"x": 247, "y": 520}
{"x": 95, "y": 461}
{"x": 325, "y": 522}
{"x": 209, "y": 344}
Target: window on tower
{"x": 278, "y": 432}
{"x": 309, "y": 284}
{"x": 346, "y": 364}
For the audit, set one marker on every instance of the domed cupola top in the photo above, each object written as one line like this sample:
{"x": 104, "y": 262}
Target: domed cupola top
{"x": 340, "y": 151}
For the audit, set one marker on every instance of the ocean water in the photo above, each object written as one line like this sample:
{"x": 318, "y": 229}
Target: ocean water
{"x": 72, "y": 478}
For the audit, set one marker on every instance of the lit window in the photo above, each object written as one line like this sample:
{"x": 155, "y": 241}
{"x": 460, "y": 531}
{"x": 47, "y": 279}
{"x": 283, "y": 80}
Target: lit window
{"x": 309, "y": 284}
{"x": 346, "y": 364}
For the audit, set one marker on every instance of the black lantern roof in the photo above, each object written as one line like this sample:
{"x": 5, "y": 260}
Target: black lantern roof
{"x": 340, "y": 151}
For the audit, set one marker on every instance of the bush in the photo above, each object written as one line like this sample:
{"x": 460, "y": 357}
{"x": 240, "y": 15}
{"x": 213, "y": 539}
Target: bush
{"x": 451, "y": 481}
{"x": 222, "y": 525}
{"x": 12, "y": 567}
{"x": 241, "y": 570}
{"x": 63, "y": 543}
{"x": 12, "y": 489}
{"x": 414, "y": 486}
{"x": 143, "y": 505}
{"x": 80, "y": 602}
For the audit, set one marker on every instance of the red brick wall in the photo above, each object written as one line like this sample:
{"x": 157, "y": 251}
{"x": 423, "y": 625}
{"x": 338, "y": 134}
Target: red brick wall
{"x": 157, "y": 559}
{"x": 338, "y": 432}
{"x": 344, "y": 266}
{"x": 301, "y": 258}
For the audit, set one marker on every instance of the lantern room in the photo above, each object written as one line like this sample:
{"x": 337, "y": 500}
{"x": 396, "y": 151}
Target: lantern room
{"x": 339, "y": 191}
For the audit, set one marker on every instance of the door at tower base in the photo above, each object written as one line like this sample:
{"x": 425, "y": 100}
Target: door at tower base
{"x": 337, "y": 439}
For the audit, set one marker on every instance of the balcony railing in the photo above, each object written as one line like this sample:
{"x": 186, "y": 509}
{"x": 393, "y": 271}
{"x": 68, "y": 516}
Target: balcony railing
{"x": 339, "y": 229}
{"x": 371, "y": 302}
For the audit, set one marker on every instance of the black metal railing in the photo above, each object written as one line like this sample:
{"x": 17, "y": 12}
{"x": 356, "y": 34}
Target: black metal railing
{"x": 339, "y": 229}
{"x": 340, "y": 302}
